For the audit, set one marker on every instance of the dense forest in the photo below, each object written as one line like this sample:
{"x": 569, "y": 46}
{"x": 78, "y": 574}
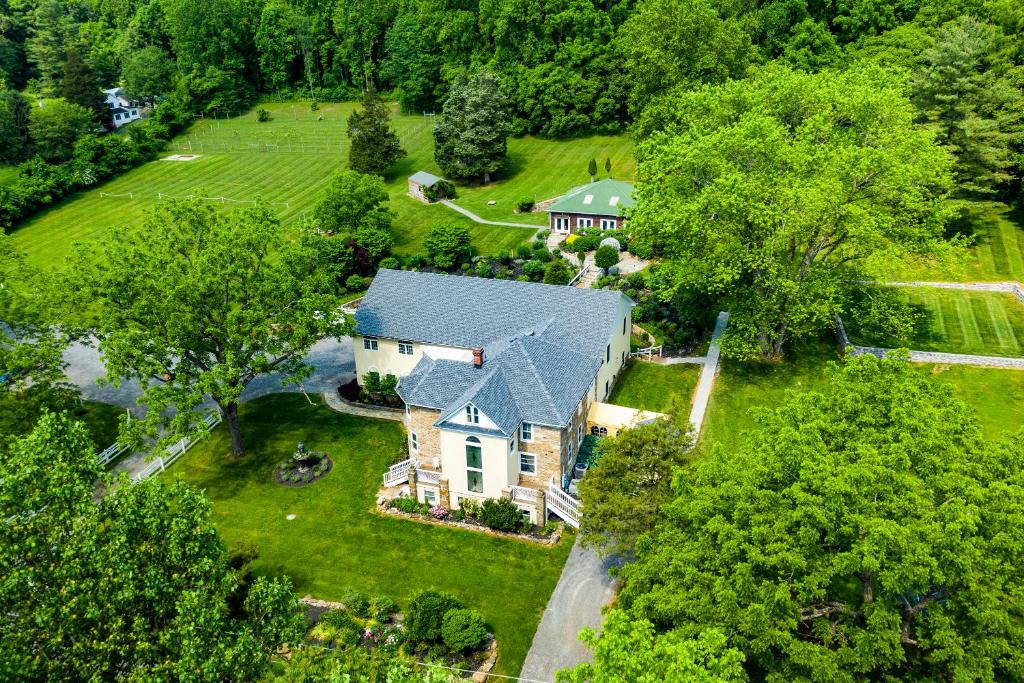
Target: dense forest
{"x": 567, "y": 66}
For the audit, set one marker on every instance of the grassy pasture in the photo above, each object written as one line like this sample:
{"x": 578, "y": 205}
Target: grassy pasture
{"x": 288, "y": 160}
{"x": 959, "y": 321}
{"x": 997, "y": 253}
{"x": 337, "y": 541}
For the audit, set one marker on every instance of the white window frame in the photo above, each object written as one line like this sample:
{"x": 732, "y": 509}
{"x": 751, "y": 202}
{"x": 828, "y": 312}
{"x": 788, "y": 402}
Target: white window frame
{"x": 579, "y": 433}
{"x": 472, "y": 414}
{"x": 370, "y": 344}
{"x": 563, "y": 224}
{"x": 475, "y": 442}
{"x": 430, "y": 497}
{"x": 584, "y": 223}
{"x": 405, "y": 348}
{"x": 599, "y": 430}
{"x": 526, "y": 431}
{"x": 608, "y": 224}
{"x": 414, "y": 442}
{"x": 527, "y": 456}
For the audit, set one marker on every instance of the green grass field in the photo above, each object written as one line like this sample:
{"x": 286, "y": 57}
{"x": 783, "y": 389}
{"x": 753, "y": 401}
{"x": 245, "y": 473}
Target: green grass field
{"x": 649, "y": 386}
{"x": 337, "y": 541}
{"x": 996, "y": 255}
{"x": 288, "y": 160}
{"x": 958, "y": 321}
{"x": 997, "y": 396}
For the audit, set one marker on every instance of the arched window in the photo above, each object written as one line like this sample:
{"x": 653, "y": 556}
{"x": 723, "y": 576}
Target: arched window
{"x": 474, "y": 465}
{"x": 597, "y": 430}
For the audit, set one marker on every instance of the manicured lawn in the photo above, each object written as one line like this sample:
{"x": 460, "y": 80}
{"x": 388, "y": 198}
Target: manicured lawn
{"x": 649, "y": 386}
{"x": 337, "y": 541}
{"x": 997, "y": 396}
{"x": 998, "y": 252}
{"x": 958, "y": 321}
{"x": 287, "y": 162}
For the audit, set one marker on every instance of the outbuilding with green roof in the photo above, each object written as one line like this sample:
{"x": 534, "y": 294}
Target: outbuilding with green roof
{"x": 599, "y": 204}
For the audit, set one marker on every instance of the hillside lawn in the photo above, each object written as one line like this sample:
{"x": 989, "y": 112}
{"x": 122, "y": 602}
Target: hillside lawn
{"x": 996, "y": 396}
{"x": 650, "y": 386}
{"x": 287, "y": 162}
{"x": 958, "y": 321}
{"x": 338, "y": 541}
{"x": 996, "y": 254}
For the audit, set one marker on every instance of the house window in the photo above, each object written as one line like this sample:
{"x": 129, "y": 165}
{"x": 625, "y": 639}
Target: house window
{"x": 415, "y": 442}
{"x": 597, "y": 430}
{"x": 623, "y": 326}
{"x": 370, "y": 343}
{"x": 511, "y": 445}
{"x": 474, "y": 466}
{"x": 579, "y": 433}
{"x": 117, "y": 117}
{"x": 608, "y": 353}
{"x": 606, "y": 389}
{"x": 526, "y": 431}
{"x": 135, "y": 112}
{"x": 562, "y": 224}
{"x": 584, "y": 222}
{"x": 527, "y": 463}
{"x": 623, "y": 358}
{"x": 607, "y": 223}
{"x": 429, "y": 497}
{"x": 472, "y": 415}
{"x": 405, "y": 348}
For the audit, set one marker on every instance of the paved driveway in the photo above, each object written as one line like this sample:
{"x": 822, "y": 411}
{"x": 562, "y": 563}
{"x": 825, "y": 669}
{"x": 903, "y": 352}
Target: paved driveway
{"x": 332, "y": 362}
{"x": 582, "y": 590}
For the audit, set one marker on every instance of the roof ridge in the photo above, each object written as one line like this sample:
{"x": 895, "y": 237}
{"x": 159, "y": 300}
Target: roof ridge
{"x": 539, "y": 378}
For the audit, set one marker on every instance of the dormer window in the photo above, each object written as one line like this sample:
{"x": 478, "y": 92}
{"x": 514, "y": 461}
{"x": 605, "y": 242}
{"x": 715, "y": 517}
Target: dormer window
{"x": 472, "y": 414}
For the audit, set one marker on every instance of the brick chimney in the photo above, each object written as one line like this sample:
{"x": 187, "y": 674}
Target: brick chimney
{"x": 478, "y": 357}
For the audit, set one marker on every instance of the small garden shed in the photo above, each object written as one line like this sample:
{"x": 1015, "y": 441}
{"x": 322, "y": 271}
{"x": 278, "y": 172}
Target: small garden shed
{"x": 422, "y": 186}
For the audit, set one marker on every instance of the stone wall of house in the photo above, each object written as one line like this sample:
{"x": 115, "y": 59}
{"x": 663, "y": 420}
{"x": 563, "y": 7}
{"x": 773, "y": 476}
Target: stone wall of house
{"x": 421, "y": 422}
{"x": 547, "y": 445}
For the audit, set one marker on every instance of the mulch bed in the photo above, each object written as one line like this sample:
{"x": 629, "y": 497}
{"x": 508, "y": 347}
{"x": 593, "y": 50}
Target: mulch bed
{"x": 278, "y": 476}
{"x": 532, "y": 536}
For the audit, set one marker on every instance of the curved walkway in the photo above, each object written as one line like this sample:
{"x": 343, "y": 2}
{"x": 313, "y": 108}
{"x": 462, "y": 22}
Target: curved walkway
{"x": 476, "y": 219}
{"x": 338, "y": 404}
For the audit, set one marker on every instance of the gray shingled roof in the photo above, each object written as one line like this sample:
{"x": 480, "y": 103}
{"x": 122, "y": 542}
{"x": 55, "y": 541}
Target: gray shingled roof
{"x": 467, "y": 312}
{"x": 424, "y": 178}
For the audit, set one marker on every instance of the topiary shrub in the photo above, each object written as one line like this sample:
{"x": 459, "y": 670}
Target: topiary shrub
{"x": 356, "y": 603}
{"x": 484, "y": 269}
{"x": 606, "y": 256}
{"x": 354, "y": 282}
{"x": 501, "y": 514}
{"x": 524, "y": 252}
{"x": 463, "y": 629}
{"x": 425, "y": 616}
{"x": 533, "y": 270}
{"x": 389, "y": 262}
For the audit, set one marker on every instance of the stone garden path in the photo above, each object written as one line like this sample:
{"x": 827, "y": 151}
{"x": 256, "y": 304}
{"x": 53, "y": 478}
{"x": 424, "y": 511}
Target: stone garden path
{"x": 336, "y": 403}
{"x": 476, "y": 219}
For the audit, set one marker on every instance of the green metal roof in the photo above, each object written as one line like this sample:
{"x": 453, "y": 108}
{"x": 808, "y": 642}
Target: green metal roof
{"x": 603, "y": 198}
{"x": 424, "y": 178}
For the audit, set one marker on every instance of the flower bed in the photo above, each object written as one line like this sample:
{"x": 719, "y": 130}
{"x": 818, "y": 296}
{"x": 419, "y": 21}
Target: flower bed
{"x": 303, "y": 468}
{"x": 549, "y": 534}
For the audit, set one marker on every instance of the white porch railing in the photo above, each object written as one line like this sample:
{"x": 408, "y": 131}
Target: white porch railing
{"x": 178, "y": 449}
{"x": 524, "y": 494}
{"x": 562, "y": 504}
{"x": 428, "y": 476}
{"x": 579, "y": 275}
{"x": 398, "y": 473}
{"x": 647, "y": 352}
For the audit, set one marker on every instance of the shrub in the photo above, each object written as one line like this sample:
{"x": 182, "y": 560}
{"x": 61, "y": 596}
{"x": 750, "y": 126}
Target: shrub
{"x": 463, "y": 629}
{"x": 389, "y": 385}
{"x": 389, "y": 262}
{"x": 448, "y": 244}
{"x": 425, "y": 616}
{"x": 501, "y": 514}
{"x": 558, "y": 272}
{"x": 442, "y": 189}
{"x": 354, "y": 282}
{"x": 484, "y": 269}
{"x": 641, "y": 250}
{"x": 543, "y": 255}
{"x": 525, "y": 205}
{"x": 438, "y": 512}
{"x": 356, "y": 603}
{"x": 262, "y": 115}
{"x": 606, "y": 256}
{"x": 524, "y": 252}
{"x": 371, "y": 382}
{"x": 637, "y": 280}
{"x": 469, "y": 507}
{"x": 338, "y": 618}
{"x": 410, "y": 505}
{"x": 382, "y": 607}
{"x": 504, "y": 273}
{"x": 533, "y": 269}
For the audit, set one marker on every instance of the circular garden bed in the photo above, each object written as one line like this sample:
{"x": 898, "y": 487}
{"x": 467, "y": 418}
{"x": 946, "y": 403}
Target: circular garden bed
{"x": 303, "y": 468}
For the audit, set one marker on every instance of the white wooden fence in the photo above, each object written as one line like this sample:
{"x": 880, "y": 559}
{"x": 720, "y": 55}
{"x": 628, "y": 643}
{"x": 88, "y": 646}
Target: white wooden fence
{"x": 562, "y": 504}
{"x": 176, "y": 450}
{"x": 110, "y": 453}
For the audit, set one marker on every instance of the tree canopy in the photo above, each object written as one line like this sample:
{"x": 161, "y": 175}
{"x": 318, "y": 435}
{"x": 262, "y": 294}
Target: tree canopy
{"x": 199, "y": 303}
{"x": 771, "y": 192}
{"x": 865, "y": 532}
{"x": 471, "y": 137}
{"x": 131, "y": 584}
{"x": 374, "y": 145}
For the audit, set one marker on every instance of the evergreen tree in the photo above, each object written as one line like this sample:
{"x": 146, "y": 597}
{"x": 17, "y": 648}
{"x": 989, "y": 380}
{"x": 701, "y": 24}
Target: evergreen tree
{"x": 960, "y": 97}
{"x": 592, "y": 169}
{"x": 79, "y": 86}
{"x": 375, "y": 144}
{"x": 608, "y": 166}
{"x": 15, "y": 145}
{"x": 470, "y": 140}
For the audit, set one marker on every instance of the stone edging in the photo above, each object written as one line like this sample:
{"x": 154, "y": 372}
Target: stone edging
{"x": 426, "y": 519}
{"x": 336, "y": 403}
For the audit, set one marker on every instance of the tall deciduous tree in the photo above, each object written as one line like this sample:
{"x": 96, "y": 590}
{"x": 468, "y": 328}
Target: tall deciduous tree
{"x": 148, "y": 73}
{"x": 865, "y": 533}
{"x": 374, "y": 144}
{"x": 354, "y": 211}
{"x": 470, "y": 140}
{"x": 134, "y": 585}
{"x": 773, "y": 191}
{"x": 199, "y": 303}
{"x": 15, "y": 145}
{"x": 624, "y": 492}
{"x": 961, "y": 97}
{"x": 56, "y": 128}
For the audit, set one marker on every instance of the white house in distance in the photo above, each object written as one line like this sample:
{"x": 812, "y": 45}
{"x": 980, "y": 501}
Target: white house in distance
{"x": 122, "y": 110}
{"x": 499, "y": 378}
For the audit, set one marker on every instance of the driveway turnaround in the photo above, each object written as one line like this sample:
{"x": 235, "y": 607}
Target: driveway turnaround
{"x": 582, "y": 591}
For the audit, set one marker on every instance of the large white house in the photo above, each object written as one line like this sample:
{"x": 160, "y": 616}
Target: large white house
{"x": 497, "y": 376}
{"x": 122, "y": 110}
